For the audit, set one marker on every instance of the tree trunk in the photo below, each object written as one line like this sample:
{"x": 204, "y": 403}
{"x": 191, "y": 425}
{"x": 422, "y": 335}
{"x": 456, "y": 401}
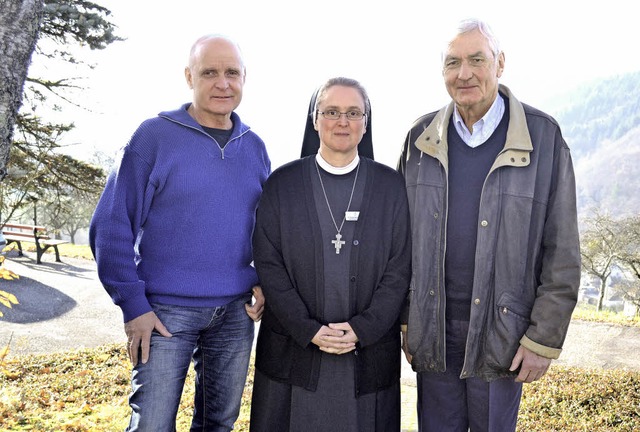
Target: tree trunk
{"x": 19, "y": 24}
{"x": 603, "y": 287}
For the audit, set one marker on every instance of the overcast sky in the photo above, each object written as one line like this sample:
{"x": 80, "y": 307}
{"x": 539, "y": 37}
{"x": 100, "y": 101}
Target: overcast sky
{"x": 291, "y": 47}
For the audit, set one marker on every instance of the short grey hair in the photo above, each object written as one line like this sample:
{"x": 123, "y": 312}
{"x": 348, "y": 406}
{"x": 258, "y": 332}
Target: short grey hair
{"x": 471, "y": 24}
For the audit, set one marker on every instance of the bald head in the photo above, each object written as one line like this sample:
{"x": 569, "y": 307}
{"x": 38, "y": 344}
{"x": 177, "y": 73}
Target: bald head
{"x": 213, "y": 41}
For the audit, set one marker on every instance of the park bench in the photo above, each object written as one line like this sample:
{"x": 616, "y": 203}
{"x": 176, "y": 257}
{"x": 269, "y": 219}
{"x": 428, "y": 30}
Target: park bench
{"x": 17, "y": 233}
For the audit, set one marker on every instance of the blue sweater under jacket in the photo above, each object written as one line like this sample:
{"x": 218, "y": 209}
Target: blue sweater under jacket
{"x": 174, "y": 222}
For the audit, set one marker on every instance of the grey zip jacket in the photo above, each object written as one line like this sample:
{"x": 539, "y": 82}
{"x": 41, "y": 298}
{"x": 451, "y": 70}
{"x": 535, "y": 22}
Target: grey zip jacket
{"x": 527, "y": 264}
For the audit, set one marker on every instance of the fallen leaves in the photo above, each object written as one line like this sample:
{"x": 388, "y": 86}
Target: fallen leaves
{"x": 6, "y": 298}
{"x": 87, "y": 390}
{"x": 84, "y": 390}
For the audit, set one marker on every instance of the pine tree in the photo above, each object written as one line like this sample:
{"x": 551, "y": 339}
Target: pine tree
{"x": 39, "y": 173}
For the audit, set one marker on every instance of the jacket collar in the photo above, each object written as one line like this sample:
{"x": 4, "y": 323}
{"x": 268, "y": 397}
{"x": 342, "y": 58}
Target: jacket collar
{"x": 433, "y": 140}
{"x": 182, "y": 116}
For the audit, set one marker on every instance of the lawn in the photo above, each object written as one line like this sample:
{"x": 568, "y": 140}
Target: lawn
{"x": 86, "y": 390}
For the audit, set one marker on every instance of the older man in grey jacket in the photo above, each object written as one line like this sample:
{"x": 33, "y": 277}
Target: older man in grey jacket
{"x": 496, "y": 256}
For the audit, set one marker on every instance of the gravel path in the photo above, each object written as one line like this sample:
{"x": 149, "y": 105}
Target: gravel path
{"x": 599, "y": 345}
{"x": 63, "y": 306}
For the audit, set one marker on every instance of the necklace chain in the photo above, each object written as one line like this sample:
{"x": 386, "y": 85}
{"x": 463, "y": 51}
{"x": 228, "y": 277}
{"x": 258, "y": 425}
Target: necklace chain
{"x": 353, "y": 188}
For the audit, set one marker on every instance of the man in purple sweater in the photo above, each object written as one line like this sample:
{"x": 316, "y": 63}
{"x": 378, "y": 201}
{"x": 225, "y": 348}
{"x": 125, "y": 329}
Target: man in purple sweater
{"x": 197, "y": 170}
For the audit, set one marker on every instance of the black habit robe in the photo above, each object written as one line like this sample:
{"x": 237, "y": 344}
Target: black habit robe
{"x": 291, "y": 250}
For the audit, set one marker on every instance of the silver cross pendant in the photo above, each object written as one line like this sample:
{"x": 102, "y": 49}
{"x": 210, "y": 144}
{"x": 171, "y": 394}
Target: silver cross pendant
{"x": 338, "y": 243}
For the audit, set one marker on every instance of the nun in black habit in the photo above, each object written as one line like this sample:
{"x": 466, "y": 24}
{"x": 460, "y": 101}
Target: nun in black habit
{"x": 332, "y": 248}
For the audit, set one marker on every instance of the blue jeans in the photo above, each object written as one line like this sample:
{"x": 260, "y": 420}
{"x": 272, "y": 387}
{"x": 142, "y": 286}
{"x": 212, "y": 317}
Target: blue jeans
{"x": 218, "y": 340}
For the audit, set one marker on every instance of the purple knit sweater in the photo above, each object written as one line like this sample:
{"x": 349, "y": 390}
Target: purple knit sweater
{"x": 174, "y": 222}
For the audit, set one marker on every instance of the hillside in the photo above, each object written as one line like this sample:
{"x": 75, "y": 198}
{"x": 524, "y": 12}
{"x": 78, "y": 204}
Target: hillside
{"x": 608, "y": 178}
{"x": 601, "y": 124}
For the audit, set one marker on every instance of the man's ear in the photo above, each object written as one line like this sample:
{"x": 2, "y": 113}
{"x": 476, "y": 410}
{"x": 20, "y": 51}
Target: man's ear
{"x": 500, "y": 68}
{"x": 188, "y": 77}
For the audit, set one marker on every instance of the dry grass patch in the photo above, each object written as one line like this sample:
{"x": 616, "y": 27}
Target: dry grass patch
{"x": 86, "y": 390}
{"x": 573, "y": 399}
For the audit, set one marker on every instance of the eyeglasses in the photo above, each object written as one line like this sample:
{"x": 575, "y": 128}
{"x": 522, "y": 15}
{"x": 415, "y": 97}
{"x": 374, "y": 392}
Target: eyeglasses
{"x": 332, "y": 114}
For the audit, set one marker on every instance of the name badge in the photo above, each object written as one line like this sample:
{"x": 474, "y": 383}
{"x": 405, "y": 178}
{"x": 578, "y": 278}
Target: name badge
{"x": 352, "y": 215}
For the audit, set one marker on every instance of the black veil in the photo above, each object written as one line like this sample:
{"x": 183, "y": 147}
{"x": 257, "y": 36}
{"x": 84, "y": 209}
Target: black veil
{"x": 311, "y": 139}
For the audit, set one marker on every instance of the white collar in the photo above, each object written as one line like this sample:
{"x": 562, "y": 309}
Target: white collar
{"x": 484, "y": 127}
{"x": 337, "y": 170}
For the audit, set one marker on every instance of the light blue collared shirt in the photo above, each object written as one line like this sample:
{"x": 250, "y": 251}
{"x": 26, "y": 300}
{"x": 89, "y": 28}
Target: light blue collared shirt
{"x": 483, "y": 128}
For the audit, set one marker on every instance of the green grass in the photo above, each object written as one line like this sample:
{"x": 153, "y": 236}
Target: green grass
{"x": 75, "y": 251}
{"x": 68, "y": 250}
{"x": 585, "y": 312}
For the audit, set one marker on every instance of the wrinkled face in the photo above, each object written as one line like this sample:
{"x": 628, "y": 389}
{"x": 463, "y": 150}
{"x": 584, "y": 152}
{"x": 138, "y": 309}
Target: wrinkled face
{"x": 471, "y": 72}
{"x": 216, "y": 75}
{"x": 341, "y": 135}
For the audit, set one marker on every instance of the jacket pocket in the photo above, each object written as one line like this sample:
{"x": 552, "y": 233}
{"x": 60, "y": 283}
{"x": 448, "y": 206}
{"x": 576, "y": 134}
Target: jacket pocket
{"x": 274, "y": 354}
{"x": 509, "y": 323}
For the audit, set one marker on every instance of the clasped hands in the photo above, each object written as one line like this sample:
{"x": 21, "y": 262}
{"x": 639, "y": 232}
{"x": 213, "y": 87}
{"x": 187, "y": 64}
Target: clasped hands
{"x": 336, "y": 338}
